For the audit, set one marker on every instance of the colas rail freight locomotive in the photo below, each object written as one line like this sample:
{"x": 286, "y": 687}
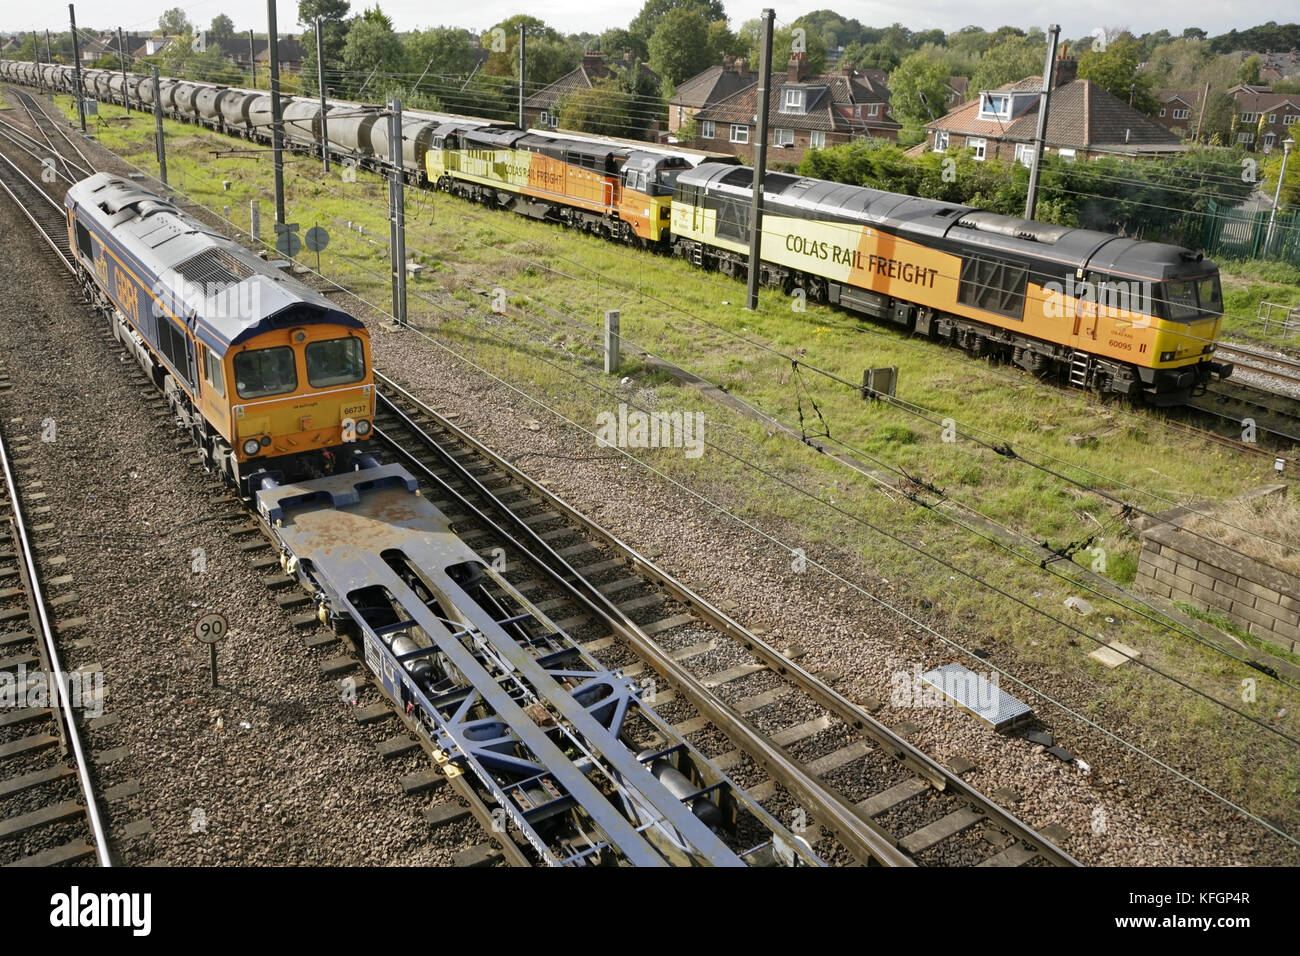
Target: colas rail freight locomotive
{"x": 1097, "y": 310}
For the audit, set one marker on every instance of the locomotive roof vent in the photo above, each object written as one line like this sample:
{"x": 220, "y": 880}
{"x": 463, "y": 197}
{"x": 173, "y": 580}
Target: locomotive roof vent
{"x": 1191, "y": 256}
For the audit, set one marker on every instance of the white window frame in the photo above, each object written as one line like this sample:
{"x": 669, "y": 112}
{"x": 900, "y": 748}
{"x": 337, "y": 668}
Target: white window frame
{"x": 1162, "y": 111}
{"x": 980, "y": 145}
{"x": 1272, "y": 118}
{"x": 940, "y": 140}
{"x": 1182, "y": 113}
{"x": 873, "y": 110}
{"x": 1025, "y": 154}
{"x": 1066, "y": 154}
{"x": 1250, "y": 117}
{"x": 707, "y": 130}
{"x": 817, "y": 139}
{"x": 792, "y": 101}
{"x": 782, "y": 137}
{"x": 739, "y": 134}
{"x": 986, "y": 111}
{"x": 1290, "y": 119}
{"x": 1246, "y": 136}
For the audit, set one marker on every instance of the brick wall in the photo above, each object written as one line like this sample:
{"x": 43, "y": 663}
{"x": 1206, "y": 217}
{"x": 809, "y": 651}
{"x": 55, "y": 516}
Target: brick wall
{"x": 1178, "y": 565}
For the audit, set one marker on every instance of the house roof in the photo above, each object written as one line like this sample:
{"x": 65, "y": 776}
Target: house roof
{"x": 1254, "y": 99}
{"x": 1187, "y": 97}
{"x": 833, "y": 104}
{"x": 1082, "y": 115}
{"x": 714, "y": 84}
{"x": 593, "y": 67}
{"x": 289, "y": 49}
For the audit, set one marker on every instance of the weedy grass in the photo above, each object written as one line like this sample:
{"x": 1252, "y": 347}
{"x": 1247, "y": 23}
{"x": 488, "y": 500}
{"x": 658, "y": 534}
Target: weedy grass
{"x": 556, "y": 286}
{"x": 1248, "y": 283}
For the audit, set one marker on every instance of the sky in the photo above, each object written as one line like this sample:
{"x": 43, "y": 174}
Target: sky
{"x": 594, "y": 16}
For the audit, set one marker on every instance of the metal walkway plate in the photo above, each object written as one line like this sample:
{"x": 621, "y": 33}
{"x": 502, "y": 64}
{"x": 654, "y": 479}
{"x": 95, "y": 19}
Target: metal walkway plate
{"x": 977, "y": 696}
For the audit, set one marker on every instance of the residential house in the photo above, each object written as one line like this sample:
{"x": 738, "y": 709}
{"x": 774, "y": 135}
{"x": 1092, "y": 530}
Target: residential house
{"x": 958, "y": 90}
{"x": 707, "y": 88}
{"x": 1083, "y": 122}
{"x": 805, "y": 111}
{"x": 543, "y": 107}
{"x": 1179, "y": 110}
{"x": 1264, "y": 118}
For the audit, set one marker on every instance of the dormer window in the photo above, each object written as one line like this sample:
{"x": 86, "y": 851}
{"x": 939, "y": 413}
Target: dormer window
{"x": 995, "y": 106}
{"x": 793, "y": 101}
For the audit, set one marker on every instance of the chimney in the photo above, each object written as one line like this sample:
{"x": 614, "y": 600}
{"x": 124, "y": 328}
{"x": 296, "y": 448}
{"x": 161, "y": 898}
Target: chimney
{"x": 848, "y": 68}
{"x": 798, "y": 68}
{"x": 1067, "y": 69}
{"x": 727, "y": 61}
{"x": 593, "y": 61}
{"x": 742, "y": 66}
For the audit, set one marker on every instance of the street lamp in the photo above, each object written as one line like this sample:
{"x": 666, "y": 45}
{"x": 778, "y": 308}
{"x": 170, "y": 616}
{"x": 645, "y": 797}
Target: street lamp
{"x": 1277, "y": 193}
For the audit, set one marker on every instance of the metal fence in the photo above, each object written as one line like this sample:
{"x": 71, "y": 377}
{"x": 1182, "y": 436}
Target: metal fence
{"x": 1230, "y": 232}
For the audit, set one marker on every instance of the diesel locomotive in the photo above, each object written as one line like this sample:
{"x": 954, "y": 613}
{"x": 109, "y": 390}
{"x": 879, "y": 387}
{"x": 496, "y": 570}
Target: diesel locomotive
{"x": 1096, "y": 310}
{"x": 266, "y": 375}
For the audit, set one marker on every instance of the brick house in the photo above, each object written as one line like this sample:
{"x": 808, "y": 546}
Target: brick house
{"x": 805, "y": 112}
{"x": 1179, "y": 110}
{"x": 705, "y": 89}
{"x": 543, "y": 107}
{"x": 1262, "y": 118}
{"x": 1083, "y": 122}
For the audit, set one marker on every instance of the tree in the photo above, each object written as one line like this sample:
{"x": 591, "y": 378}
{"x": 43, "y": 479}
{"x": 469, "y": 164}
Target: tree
{"x": 617, "y": 41}
{"x": 679, "y": 46}
{"x": 174, "y": 23}
{"x": 222, "y": 27}
{"x": 1115, "y": 70}
{"x": 1249, "y": 71}
{"x": 371, "y": 45}
{"x": 796, "y": 38}
{"x": 645, "y": 22}
{"x": 334, "y": 34}
{"x": 1012, "y": 59}
{"x": 722, "y": 42}
{"x": 440, "y": 50}
{"x": 918, "y": 90}
{"x": 607, "y": 109}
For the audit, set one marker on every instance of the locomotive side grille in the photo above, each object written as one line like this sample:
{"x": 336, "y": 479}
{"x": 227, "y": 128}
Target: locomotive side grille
{"x": 213, "y": 268}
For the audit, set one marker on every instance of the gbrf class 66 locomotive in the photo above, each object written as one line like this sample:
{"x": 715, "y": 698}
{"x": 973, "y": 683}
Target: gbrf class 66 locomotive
{"x": 265, "y": 374}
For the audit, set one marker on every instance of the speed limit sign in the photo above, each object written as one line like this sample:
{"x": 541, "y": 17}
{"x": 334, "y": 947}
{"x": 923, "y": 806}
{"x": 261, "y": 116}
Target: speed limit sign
{"x": 211, "y": 627}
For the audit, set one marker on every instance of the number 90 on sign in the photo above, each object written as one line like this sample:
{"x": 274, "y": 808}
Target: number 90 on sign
{"x": 211, "y": 627}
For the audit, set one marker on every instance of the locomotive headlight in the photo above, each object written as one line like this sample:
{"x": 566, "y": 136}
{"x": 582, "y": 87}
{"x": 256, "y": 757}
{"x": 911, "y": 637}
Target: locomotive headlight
{"x": 1167, "y": 356}
{"x": 363, "y": 427}
{"x": 252, "y": 446}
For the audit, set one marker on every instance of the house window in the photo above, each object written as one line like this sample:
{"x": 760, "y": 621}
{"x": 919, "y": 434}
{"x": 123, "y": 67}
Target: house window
{"x": 783, "y": 137}
{"x": 739, "y": 134}
{"x": 706, "y": 129}
{"x": 1182, "y": 114}
{"x": 977, "y": 144}
{"x": 873, "y": 110}
{"x": 794, "y": 101}
{"x": 1269, "y": 138}
{"x": 1162, "y": 111}
{"x": 940, "y": 140}
{"x": 1025, "y": 154}
{"x": 544, "y": 118}
{"x": 1066, "y": 154}
{"x": 1250, "y": 117}
{"x": 1290, "y": 120}
{"x": 1246, "y": 136}
{"x": 995, "y": 105}
{"x": 1272, "y": 118}
{"x": 817, "y": 140}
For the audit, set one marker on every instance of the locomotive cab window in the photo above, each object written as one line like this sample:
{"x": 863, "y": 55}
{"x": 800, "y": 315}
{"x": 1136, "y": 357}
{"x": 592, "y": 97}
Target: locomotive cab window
{"x": 83, "y": 241}
{"x": 1180, "y": 300}
{"x": 264, "y": 372}
{"x": 335, "y": 362}
{"x": 1210, "y": 293}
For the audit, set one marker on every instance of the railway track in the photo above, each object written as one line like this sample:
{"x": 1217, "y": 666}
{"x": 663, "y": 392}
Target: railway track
{"x": 812, "y": 756}
{"x": 1274, "y": 366}
{"x": 807, "y": 750}
{"x": 50, "y": 128}
{"x": 49, "y": 804}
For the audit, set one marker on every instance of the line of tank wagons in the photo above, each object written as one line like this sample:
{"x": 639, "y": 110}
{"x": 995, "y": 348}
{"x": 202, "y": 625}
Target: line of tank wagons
{"x": 355, "y": 129}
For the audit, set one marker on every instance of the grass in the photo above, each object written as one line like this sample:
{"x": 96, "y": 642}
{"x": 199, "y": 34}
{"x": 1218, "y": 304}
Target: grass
{"x": 1229, "y": 626}
{"x": 1247, "y": 283}
{"x": 1255, "y": 527}
{"x": 557, "y": 285}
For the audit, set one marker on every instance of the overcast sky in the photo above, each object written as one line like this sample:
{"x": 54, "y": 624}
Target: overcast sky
{"x": 596, "y": 15}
